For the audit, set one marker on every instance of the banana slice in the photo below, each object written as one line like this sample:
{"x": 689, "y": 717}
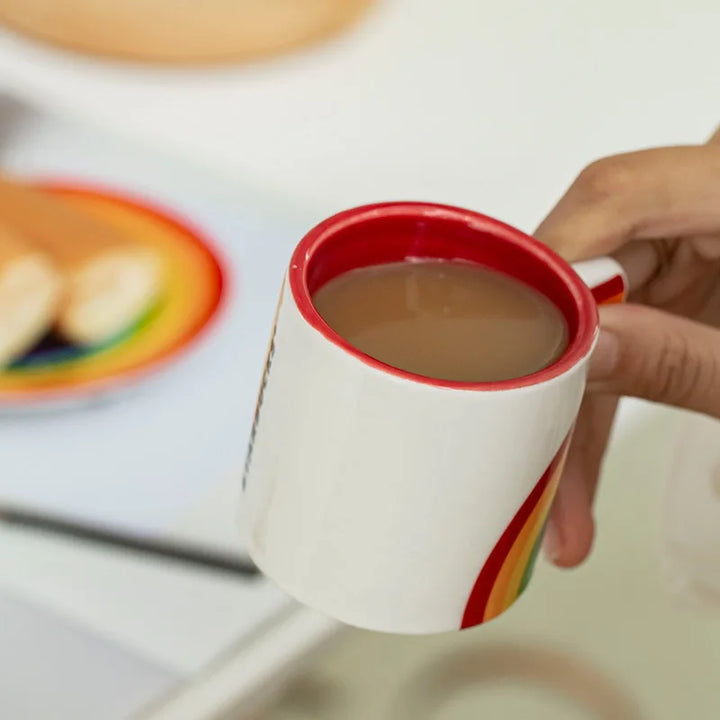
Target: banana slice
{"x": 109, "y": 281}
{"x": 105, "y": 296}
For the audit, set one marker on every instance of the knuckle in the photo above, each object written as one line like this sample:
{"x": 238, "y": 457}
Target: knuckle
{"x": 680, "y": 373}
{"x": 608, "y": 177}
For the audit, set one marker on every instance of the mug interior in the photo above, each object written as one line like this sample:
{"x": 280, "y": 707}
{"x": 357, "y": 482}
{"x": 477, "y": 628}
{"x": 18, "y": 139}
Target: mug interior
{"x": 396, "y": 232}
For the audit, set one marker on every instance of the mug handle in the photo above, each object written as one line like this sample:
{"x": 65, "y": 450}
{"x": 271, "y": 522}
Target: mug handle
{"x": 606, "y": 279}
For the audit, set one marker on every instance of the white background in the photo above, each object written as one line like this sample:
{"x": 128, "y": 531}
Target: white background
{"x": 494, "y": 105}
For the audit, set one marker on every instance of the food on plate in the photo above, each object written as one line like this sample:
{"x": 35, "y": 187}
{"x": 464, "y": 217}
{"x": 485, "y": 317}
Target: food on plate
{"x": 109, "y": 281}
{"x": 30, "y": 293}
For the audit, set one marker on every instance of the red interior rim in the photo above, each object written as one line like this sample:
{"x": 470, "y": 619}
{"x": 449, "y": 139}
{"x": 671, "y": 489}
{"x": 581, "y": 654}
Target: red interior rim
{"x": 392, "y": 232}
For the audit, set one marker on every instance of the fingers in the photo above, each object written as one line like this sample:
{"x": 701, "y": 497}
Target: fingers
{"x": 654, "y": 355}
{"x": 664, "y": 192}
{"x": 571, "y": 528}
{"x": 641, "y": 262}
{"x": 673, "y": 267}
{"x": 707, "y": 246}
{"x": 669, "y": 192}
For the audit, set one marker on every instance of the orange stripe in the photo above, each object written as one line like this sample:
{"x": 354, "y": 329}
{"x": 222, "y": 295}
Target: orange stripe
{"x": 508, "y": 580}
{"x": 477, "y": 604}
{"x": 614, "y": 299}
{"x": 507, "y": 586}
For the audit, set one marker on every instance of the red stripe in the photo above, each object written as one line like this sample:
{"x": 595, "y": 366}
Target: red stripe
{"x": 477, "y": 602}
{"x": 609, "y": 290}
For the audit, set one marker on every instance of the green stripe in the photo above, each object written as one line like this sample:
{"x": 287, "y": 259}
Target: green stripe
{"x": 531, "y": 563}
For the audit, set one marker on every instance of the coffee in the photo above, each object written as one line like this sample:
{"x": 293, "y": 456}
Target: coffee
{"x": 446, "y": 320}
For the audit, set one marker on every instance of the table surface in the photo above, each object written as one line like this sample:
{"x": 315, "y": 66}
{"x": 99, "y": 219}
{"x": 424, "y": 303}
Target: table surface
{"x": 495, "y": 106}
{"x": 608, "y": 641}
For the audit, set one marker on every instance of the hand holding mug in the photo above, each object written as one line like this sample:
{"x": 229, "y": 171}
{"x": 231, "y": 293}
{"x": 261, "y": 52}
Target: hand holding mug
{"x": 658, "y": 212}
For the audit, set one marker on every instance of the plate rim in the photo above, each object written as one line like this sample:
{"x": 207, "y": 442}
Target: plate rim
{"x": 159, "y": 211}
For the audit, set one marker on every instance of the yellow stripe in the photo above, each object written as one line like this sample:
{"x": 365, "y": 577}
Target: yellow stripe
{"x": 507, "y": 585}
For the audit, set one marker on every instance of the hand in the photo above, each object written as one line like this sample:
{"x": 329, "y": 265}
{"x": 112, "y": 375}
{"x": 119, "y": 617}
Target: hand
{"x": 658, "y": 212}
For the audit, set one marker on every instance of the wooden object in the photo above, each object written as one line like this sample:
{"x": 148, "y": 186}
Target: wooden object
{"x": 180, "y": 31}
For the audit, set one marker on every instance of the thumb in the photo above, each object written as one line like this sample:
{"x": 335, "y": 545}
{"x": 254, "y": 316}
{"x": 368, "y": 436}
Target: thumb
{"x": 654, "y": 355}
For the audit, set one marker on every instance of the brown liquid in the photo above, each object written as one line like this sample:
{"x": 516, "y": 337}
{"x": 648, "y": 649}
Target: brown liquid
{"x": 445, "y": 320}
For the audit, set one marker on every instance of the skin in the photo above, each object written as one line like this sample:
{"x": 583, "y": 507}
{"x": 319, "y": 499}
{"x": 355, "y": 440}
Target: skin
{"x": 658, "y": 212}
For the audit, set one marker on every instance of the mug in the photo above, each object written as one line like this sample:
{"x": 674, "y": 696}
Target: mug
{"x": 393, "y": 501}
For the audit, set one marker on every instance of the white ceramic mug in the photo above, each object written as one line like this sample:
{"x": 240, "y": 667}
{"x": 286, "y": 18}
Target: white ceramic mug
{"x": 393, "y": 501}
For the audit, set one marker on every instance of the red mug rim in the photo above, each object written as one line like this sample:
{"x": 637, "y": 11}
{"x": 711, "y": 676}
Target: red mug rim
{"x": 539, "y": 266}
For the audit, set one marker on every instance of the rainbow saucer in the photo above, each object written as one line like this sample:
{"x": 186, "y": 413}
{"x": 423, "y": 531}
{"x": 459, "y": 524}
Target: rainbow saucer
{"x": 193, "y": 290}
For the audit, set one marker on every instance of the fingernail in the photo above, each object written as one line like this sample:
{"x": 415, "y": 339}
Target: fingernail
{"x": 552, "y": 546}
{"x": 605, "y": 357}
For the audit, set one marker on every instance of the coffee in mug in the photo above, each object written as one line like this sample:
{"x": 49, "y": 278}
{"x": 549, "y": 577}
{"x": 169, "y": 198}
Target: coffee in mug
{"x": 445, "y": 319}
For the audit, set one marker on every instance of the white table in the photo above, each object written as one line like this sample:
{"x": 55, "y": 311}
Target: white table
{"x": 493, "y": 105}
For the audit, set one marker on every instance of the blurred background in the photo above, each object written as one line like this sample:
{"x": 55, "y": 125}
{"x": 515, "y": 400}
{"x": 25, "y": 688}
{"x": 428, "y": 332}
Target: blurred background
{"x": 184, "y": 148}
